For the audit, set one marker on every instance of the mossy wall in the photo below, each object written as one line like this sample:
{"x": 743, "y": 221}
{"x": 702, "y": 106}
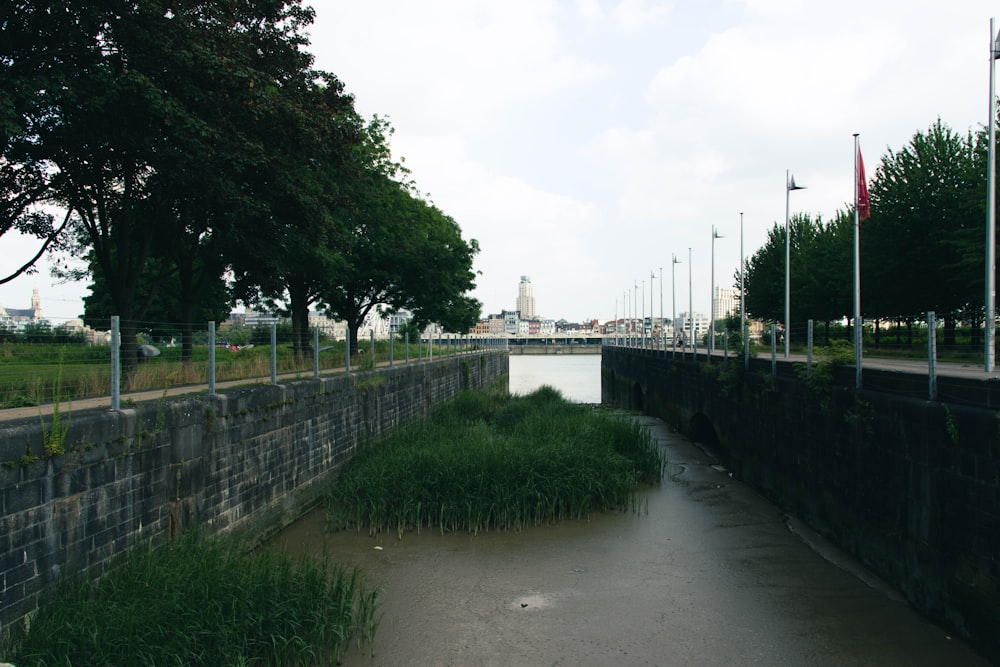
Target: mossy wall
{"x": 250, "y": 459}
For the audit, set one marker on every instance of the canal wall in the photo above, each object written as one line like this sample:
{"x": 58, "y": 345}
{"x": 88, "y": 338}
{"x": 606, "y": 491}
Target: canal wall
{"x": 251, "y": 459}
{"x": 909, "y": 487}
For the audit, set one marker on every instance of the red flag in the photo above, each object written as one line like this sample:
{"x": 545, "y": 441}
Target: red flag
{"x": 861, "y": 194}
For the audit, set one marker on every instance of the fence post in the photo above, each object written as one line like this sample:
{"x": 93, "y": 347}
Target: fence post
{"x": 211, "y": 358}
{"x": 316, "y": 353}
{"x": 406, "y": 342}
{"x": 774, "y": 349}
{"x": 347, "y": 352}
{"x": 274, "y": 353}
{"x": 931, "y": 356}
{"x": 392, "y": 339}
{"x": 725, "y": 345}
{"x": 116, "y": 376}
{"x": 746, "y": 347}
{"x": 809, "y": 344}
{"x": 371, "y": 346}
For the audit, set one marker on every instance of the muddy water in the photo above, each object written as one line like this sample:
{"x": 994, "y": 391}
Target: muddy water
{"x": 708, "y": 574}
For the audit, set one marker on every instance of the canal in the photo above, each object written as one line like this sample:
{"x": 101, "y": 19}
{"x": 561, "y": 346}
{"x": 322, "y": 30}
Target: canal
{"x": 707, "y": 572}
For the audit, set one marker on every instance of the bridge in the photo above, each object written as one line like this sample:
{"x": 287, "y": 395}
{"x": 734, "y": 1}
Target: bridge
{"x": 907, "y": 485}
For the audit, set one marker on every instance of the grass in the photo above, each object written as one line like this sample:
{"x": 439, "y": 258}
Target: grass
{"x": 200, "y": 601}
{"x": 29, "y": 371}
{"x": 496, "y": 462}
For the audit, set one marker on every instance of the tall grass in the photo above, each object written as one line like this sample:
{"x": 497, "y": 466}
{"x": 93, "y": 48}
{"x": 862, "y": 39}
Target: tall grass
{"x": 200, "y": 601}
{"x": 496, "y": 462}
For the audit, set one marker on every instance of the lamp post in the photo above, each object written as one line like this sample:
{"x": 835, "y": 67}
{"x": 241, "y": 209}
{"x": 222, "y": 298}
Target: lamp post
{"x": 652, "y": 318}
{"x": 673, "y": 313}
{"x": 789, "y": 186}
{"x": 990, "y": 350}
{"x": 711, "y": 318}
{"x": 690, "y": 303}
{"x": 635, "y": 311}
{"x": 662, "y": 340}
{"x": 743, "y": 304}
{"x": 642, "y": 320}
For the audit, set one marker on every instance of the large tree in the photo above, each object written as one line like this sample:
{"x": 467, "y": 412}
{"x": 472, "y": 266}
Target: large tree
{"x": 134, "y": 98}
{"x": 401, "y": 253}
{"x": 283, "y": 255}
{"x": 922, "y": 248}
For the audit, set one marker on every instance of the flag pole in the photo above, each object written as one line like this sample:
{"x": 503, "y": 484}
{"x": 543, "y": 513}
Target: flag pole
{"x": 857, "y": 268}
{"x": 989, "y": 352}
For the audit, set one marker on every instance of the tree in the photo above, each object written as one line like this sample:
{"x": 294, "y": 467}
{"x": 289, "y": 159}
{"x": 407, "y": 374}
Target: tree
{"x": 925, "y": 233}
{"x": 765, "y": 278}
{"x": 402, "y": 252}
{"x": 282, "y": 255}
{"x": 130, "y": 97}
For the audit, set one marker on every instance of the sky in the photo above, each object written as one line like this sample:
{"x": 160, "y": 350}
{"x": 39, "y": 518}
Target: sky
{"x": 584, "y": 143}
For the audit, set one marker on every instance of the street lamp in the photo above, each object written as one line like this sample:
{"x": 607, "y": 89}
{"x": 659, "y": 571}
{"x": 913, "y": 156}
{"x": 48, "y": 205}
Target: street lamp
{"x": 743, "y": 304}
{"x": 789, "y": 186}
{"x": 991, "y": 227}
{"x": 662, "y": 330}
{"x": 690, "y": 303}
{"x": 673, "y": 314}
{"x": 652, "y": 317}
{"x": 711, "y": 318}
{"x": 642, "y": 321}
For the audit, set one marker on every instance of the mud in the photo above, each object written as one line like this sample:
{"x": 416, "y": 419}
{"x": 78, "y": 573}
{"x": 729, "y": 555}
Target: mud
{"x": 707, "y": 573}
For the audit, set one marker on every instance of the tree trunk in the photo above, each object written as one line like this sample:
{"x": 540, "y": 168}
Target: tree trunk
{"x": 949, "y": 330}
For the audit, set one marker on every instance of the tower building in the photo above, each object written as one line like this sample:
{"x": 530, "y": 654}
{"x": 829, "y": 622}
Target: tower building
{"x": 525, "y": 299}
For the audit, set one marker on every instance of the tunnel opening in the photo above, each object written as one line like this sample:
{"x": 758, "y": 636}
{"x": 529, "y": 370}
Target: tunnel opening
{"x": 637, "y": 402}
{"x": 702, "y": 430}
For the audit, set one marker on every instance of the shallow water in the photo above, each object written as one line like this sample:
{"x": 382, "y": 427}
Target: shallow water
{"x": 576, "y": 376}
{"x": 708, "y": 574}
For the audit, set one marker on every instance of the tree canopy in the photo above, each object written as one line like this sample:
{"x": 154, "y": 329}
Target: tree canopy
{"x": 190, "y": 141}
{"x": 922, "y": 248}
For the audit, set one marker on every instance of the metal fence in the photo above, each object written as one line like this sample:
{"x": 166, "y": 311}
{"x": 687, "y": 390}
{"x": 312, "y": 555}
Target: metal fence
{"x": 46, "y": 367}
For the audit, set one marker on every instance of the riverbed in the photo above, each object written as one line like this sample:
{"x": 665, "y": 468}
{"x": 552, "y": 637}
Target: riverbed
{"x": 706, "y": 572}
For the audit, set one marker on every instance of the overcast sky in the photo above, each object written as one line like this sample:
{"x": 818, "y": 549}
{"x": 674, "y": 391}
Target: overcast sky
{"x": 584, "y": 142}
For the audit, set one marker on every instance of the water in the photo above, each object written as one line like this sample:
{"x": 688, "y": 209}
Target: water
{"x": 707, "y": 573}
{"x": 576, "y": 376}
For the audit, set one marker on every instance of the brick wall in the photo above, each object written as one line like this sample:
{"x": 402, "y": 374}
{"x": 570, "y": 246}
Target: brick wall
{"x": 249, "y": 459}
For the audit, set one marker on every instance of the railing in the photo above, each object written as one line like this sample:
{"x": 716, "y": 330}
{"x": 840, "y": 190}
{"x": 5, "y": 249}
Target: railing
{"x": 58, "y": 366}
{"x": 960, "y": 361}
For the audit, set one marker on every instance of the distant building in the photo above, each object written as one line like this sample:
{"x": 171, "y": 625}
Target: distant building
{"x": 525, "y": 299}
{"x": 510, "y": 322}
{"x": 17, "y": 318}
{"x": 683, "y": 325}
{"x": 724, "y": 303}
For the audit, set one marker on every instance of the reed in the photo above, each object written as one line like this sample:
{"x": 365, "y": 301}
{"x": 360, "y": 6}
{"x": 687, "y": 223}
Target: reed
{"x": 496, "y": 462}
{"x": 200, "y": 601}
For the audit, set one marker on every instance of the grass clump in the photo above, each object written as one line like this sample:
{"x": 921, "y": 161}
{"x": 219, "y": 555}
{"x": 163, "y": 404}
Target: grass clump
{"x": 492, "y": 461}
{"x": 200, "y": 601}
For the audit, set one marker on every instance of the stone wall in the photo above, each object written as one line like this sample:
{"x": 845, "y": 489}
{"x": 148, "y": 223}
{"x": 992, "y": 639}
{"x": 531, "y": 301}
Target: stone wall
{"x": 908, "y": 486}
{"x": 251, "y": 459}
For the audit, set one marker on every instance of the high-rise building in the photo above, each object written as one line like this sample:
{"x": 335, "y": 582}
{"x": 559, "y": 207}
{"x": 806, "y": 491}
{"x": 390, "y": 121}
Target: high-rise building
{"x": 525, "y": 299}
{"x": 725, "y": 303}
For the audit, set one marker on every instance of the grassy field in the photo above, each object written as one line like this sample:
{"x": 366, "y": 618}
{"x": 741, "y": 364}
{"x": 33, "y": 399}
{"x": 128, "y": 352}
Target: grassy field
{"x": 496, "y": 462}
